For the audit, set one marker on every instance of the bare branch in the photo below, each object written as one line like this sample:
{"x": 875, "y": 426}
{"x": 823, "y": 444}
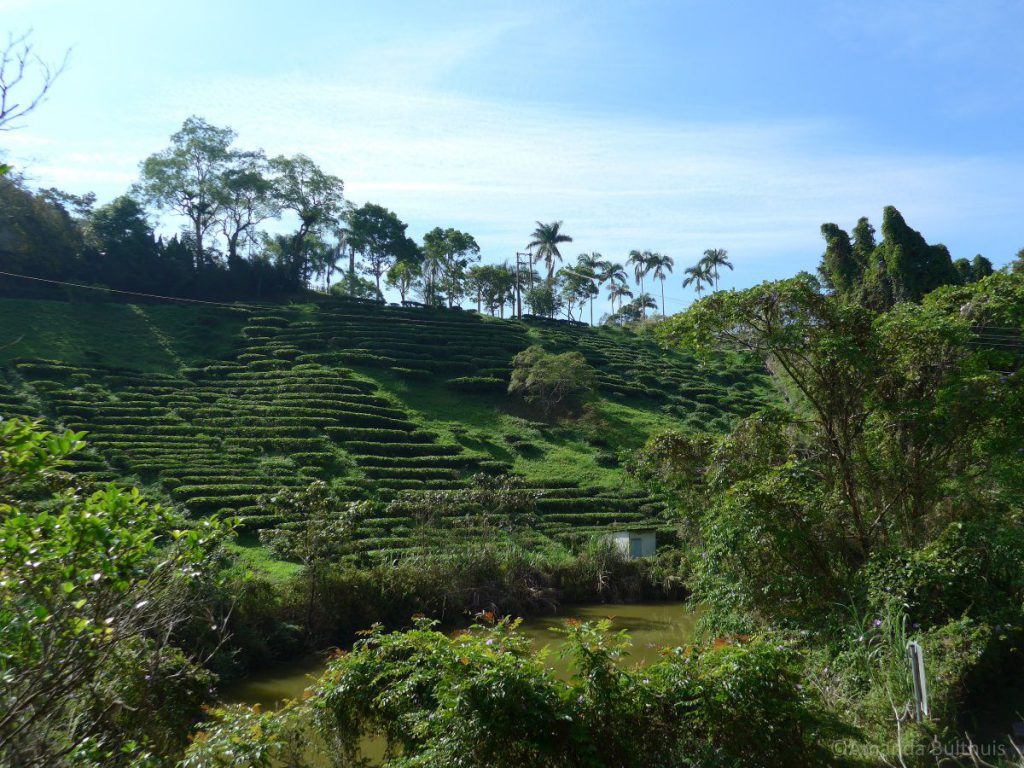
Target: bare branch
{"x": 18, "y": 61}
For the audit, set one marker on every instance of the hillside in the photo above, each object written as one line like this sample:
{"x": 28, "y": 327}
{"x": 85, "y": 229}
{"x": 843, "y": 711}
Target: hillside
{"x": 210, "y": 408}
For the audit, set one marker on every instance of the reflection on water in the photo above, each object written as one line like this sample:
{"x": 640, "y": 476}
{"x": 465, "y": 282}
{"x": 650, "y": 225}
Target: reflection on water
{"x": 651, "y": 626}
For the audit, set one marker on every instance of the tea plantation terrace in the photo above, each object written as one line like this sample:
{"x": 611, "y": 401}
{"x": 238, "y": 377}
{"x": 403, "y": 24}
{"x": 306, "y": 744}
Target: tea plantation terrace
{"x": 299, "y": 400}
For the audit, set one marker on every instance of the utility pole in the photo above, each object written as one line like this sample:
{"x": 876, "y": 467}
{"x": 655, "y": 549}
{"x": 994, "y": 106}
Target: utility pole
{"x": 519, "y": 291}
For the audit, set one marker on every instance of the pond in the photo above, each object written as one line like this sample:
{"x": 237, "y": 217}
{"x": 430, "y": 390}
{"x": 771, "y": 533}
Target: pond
{"x": 651, "y": 626}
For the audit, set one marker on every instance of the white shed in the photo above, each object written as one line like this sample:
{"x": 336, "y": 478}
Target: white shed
{"x": 635, "y": 543}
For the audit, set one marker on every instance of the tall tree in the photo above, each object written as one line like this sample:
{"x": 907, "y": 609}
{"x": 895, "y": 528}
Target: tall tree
{"x": 403, "y": 276}
{"x": 661, "y": 266}
{"x": 188, "y": 177}
{"x": 980, "y": 268}
{"x": 247, "y": 200}
{"x": 502, "y": 288}
{"x": 1017, "y": 265}
{"x": 546, "y": 239}
{"x": 617, "y": 291}
{"x": 914, "y": 266}
{"x": 641, "y": 262}
{"x": 123, "y": 252}
{"x": 379, "y": 236}
{"x": 576, "y": 287}
{"x": 840, "y": 270}
{"x": 714, "y": 258}
{"x": 696, "y": 276}
{"x": 36, "y": 237}
{"x": 590, "y": 265}
{"x": 492, "y": 284}
{"x": 448, "y": 252}
{"x": 314, "y": 196}
{"x": 613, "y": 271}
{"x": 863, "y": 236}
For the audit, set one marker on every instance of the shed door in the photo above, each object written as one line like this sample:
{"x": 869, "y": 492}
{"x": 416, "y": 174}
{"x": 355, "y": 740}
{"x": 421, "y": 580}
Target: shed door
{"x": 636, "y": 546}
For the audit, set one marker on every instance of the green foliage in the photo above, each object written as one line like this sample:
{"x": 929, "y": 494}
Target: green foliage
{"x": 93, "y": 590}
{"x": 40, "y": 239}
{"x": 970, "y": 569}
{"x": 888, "y": 414}
{"x": 477, "y": 384}
{"x": 482, "y": 698}
{"x": 248, "y": 738}
{"x": 447, "y": 253}
{"x": 379, "y": 236}
{"x": 326, "y": 524}
{"x": 915, "y": 267}
{"x": 552, "y": 382}
{"x": 840, "y": 268}
{"x": 493, "y": 285}
{"x": 903, "y": 267}
{"x": 281, "y": 407}
{"x": 403, "y": 276}
{"x": 543, "y": 300}
{"x": 28, "y": 454}
{"x": 186, "y": 177}
{"x": 546, "y": 239}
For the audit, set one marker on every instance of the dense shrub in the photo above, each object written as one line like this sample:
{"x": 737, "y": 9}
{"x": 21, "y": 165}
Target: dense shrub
{"x": 972, "y": 569}
{"x": 553, "y": 382}
{"x": 482, "y": 698}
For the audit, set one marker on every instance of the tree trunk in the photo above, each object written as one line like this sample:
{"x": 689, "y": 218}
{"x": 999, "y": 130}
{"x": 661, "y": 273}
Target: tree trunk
{"x": 199, "y": 244}
{"x": 663, "y": 297}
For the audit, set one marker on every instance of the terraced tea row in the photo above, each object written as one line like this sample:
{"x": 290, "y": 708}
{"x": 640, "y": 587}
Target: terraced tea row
{"x": 474, "y": 354}
{"x": 291, "y": 405}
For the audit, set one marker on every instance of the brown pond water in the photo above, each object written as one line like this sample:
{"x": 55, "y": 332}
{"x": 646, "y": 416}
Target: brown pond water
{"x": 651, "y": 626}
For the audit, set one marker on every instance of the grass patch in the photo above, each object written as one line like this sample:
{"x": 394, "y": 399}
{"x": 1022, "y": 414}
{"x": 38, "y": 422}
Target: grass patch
{"x": 248, "y": 557}
{"x": 158, "y": 338}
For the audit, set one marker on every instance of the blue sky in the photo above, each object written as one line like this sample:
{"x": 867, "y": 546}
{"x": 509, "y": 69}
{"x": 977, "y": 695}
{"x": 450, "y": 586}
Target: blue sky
{"x": 671, "y": 126}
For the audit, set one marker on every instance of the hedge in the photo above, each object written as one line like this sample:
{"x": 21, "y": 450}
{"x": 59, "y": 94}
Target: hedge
{"x": 413, "y": 374}
{"x": 478, "y": 385}
{"x": 357, "y": 447}
{"x": 374, "y": 435}
{"x": 209, "y": 504}
{"x": 444, "y": 462}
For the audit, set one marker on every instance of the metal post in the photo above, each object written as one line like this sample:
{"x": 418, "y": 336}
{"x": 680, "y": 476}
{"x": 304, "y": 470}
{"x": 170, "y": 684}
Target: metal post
{"x": 915, "y": 655}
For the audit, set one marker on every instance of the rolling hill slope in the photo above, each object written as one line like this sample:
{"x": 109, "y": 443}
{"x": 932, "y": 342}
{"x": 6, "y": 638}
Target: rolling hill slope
{"x": 211, "y": 408}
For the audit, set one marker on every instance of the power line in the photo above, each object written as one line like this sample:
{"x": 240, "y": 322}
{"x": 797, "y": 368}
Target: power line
{"x": 115, "y": 290}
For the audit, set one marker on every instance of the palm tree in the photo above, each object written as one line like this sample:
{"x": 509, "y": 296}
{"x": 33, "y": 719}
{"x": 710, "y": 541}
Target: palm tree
{"x": 698, "y": 275}
{"x": 715, "y": 258}
{"x": 641, "y": 265}
{"x": 617, "y": 291}
{"x": 546, "y": 239}
{"x": 662, "y": 267}
{"x": 590, "y": 264}
{"x": 612, "y": 271}
{"x": 644, "y": 302}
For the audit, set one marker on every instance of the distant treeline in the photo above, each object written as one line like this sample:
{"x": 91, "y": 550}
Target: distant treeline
{"x": 226, "y": 197}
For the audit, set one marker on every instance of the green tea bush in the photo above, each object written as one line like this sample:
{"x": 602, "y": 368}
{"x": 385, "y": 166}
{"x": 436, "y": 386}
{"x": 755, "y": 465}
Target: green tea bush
{"x": 358, "y": 447}
{"x": 477, "y": 385}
